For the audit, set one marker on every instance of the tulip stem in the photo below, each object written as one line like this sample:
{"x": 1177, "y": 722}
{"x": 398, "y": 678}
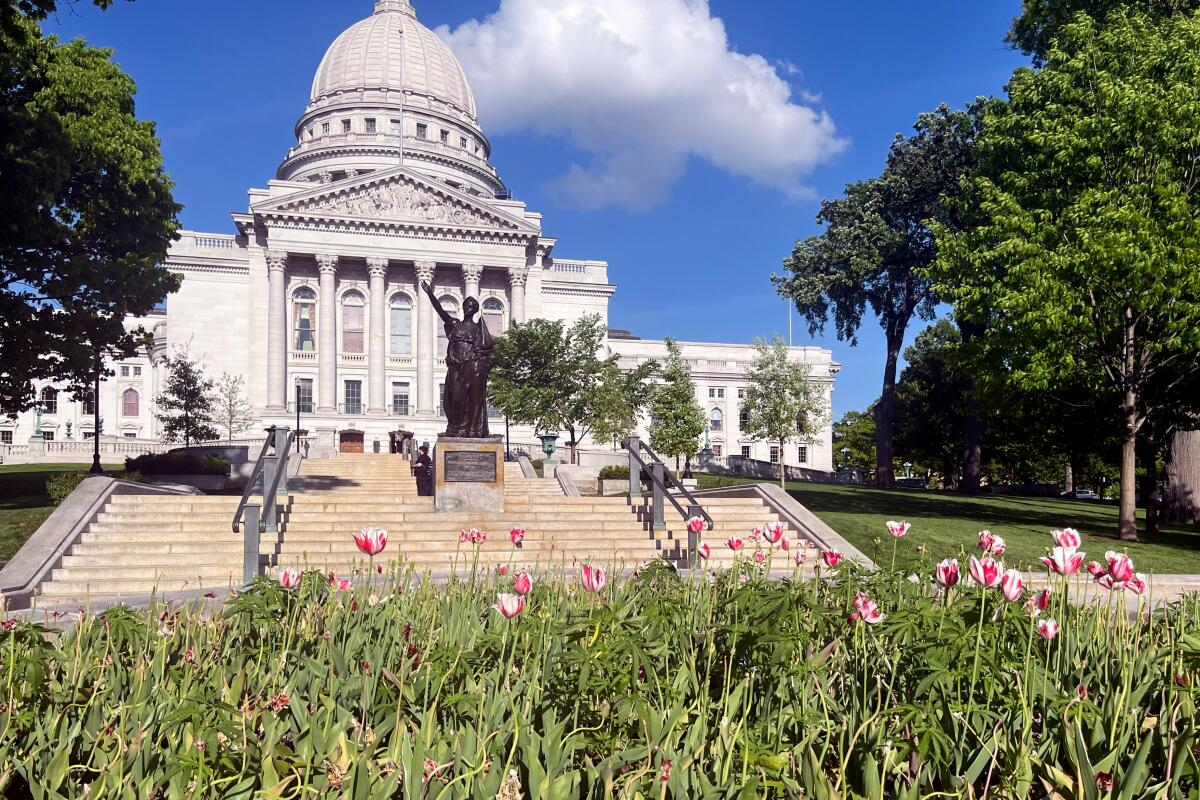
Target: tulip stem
{"x": 978, "y": 642}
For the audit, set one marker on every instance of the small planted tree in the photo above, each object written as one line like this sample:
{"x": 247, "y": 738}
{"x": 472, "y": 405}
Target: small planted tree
{"x": 676, "y": 419}
{"x": 233, "y": 410}
{"x": 186, "y": 406}
{"x": 782, "y": 404}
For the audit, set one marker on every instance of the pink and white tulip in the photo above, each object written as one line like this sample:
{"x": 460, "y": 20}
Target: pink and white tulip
{"x": 1067, "y": 537}
{"x": 522, "y": 583}
{"x": 1120, "y": 566}
{"x": 1048, "y": 628}
{"x": 1137, "y": 584}
{"x": 735, "y": 543}
{"x": 1096, "y": 569}
{"x": 947, "y": 573}
{"x": 1041, "y": 600}
{"x": 831, "y": 558}
{"x": 341, "y": 584}
{"x": 594, "y": 578}
{"x": 800, "y": 558}
{"x": 866, "y": 609}
{"x": 510, "y": 605}
{"x": 760, "y": 557}
{"x": 773, "y": 532}
{"x": 289, "y": 578}
{"x": 1011, "y": 585}
{"x": 985, "y": 571}
{"x": 784, "y": 544}
{"x": 371, "y": 541}
{"x": 502, "y": 570}
{"x": 517, "y": 536}
{"x": 897, "y": 529}
{"x": 695, "y": 524}
{"x": 704, "y": 551}
{"x": 1063, "y": 560}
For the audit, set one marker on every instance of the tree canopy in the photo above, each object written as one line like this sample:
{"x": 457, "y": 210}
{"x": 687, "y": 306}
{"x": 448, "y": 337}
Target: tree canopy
{"x": 782, "y": 404}
{"x": 875, "y": 244}
{"x": 187, "y": 404}
{"x": 1040, "y": 21}
{"x": 1084, "y": 247}
{"x": 87, "y": 209}
{"x": 676, "y": 420}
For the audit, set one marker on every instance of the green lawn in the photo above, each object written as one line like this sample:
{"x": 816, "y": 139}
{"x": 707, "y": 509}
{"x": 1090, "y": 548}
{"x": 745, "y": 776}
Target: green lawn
{"x": 947, "y": 524}
{"x": 24, "y": 504}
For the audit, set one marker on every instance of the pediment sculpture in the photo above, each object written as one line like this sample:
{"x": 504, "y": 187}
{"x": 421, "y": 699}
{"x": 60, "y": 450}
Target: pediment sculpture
{"x": 402, "y": 201}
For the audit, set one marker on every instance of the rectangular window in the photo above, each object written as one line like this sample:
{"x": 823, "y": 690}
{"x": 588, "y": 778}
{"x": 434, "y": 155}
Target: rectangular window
{"x": 401, "y": 330}
{"x": 352, "y": 328}
{"x": 6, "y": 437}
{"x": 400, "y": 398}
{"x": 137, "y": 372}
{"x": 89, "y": 435}
{"x": 422, "y": 130}
{"x": 304, "y": 395}
{"x": 370, "y": 126}
{"x": 774, "y": 454}
{"x": 353, "y": 397}
{"x": 48, "y": 436}
{"x": 716, "y": 393}
{"x": 802, "y": 454}
{"x": 462, "y": 142}
{"x": 131, "y": 436}
{"x": 741, "y": 394}
{"x": 745, "y": 451}
{"x": 89, "y": 404}
{"x": 325, "y": 128}
{"x": 345, "y": 126}
{"x": 445, "y": 137}
{"x": 396, "y": 127}
{"x": 124, "y": 371}
{"x": 717, "y": 450}
{"x": 441, "y": 395}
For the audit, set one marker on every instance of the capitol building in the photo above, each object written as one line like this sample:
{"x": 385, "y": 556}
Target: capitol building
{"x": 313, "y": 294}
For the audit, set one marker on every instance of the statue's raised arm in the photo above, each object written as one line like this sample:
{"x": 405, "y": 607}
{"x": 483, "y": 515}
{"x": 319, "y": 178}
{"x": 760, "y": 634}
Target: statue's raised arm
{"x": 437, "y": 306}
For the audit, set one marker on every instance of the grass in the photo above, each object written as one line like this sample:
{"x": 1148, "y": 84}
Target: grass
{"x": 24, "y": 504}
{"x": 947, "y": 524}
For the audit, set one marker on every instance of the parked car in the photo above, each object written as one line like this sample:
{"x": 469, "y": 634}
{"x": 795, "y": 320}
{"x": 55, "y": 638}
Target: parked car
{"x": 1086, "y": 494}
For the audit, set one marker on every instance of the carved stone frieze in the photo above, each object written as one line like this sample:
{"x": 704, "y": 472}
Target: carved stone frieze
{"x": 401, "y": 200}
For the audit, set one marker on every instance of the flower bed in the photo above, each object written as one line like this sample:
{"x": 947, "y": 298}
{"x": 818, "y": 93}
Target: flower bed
{"x": 518, "y": 685}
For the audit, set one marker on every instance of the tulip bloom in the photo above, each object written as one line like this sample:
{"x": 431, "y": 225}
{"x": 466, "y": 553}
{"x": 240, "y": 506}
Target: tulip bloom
{"x": 947, "y": 573}
{"x": 760, "y": 557}
{"x": 1041, "y": 600}
{"x": 773, "y": 532}
{"x": 866, "y": 609}
{"x": 289, "y": 578}
{"x": 1137, "y": 584}
{"x": 371, "y": 541}
{"x": 477, "y": 536}
{"x": 1063, "y": 560}
{"x": 734, "y": 543}
{"x": 341, "y": 584}
{"x": 831, "y": 558}
{"x": 897, "y": 529}
{"x": 594, "y": 579}
{"x": 800, "y": 558}
{"x": 1120, "y": 566}
{"x": 1048, "y": 628}
{"x": 1011, "y": 585}
{"x": 502, "y": 570}
{"x": 517, "y": 535}
{"x": 784, "y": 544}
{"x": 522, "y": 583}
{"x": 1067, "y": 537}
{"x": 509, "y": 605}
{"x": 695, "y": 524}
{"x": 986, "y": 571}
{"x": 704, "y": 550}
{"x": 991, "y": 544}
{"x": 1095, "y": 569}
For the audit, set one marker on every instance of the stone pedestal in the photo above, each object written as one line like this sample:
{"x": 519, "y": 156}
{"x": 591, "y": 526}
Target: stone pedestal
{"x": 469, "y": 474}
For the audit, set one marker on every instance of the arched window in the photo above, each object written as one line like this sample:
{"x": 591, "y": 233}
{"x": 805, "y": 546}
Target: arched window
{"x": 401, "y": 325}
{"x": 451, "y": 306}
{"x": 49, "y": 400}
{"x": 352, "y": 323}
{"x": 130, "y": 403}
{"x": 304, "y": 320}
{"x": 715, "y": 420}
{"x": 493, "y": 316}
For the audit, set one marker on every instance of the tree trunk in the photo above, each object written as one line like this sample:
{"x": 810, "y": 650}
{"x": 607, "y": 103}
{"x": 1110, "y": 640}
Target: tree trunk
{"x": 782, "y": 468}
{"x": 973, "y": 426}
{"x": 1181, "y": 501}
{"x": 1148, "y": 456}
{"x": 1127, "y": 514}
{"x": 885, "y": 409}
{"x": 1069, "y": 479}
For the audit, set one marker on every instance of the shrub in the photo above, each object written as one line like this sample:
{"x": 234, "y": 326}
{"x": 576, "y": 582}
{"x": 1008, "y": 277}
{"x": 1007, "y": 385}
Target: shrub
{"x": 177, "y": 464}
{"x": 614, "y": 473}
{"x": 59, "y": 486}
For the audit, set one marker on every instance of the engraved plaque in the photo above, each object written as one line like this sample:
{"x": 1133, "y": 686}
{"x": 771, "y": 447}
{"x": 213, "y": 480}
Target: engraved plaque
{"x": 464, "y": 466}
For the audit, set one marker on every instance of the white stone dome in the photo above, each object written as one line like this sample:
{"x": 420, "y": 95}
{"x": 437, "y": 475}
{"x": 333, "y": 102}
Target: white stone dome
{"x": 391, "y": 51}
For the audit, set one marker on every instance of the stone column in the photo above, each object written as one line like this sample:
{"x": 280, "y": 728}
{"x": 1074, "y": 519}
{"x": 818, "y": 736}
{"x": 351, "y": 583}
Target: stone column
{"x": 517, "y": 276}
{"x": 426, "y": 341}
{"x": 327, "y": 334}
{"x": 277, "y": 338}
{"x": 471, "y": 275}
{"x": 376, "y": 353}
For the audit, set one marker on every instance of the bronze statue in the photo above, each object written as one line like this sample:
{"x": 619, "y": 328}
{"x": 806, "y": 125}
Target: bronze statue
{"x": 468, "y": 362}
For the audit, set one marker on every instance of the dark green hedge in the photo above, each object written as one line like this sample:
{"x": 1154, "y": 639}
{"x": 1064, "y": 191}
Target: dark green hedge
{"x": 177, "y": 464}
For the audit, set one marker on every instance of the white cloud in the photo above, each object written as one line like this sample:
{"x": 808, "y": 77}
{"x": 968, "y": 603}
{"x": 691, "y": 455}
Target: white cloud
{"x": 642, "y": 86}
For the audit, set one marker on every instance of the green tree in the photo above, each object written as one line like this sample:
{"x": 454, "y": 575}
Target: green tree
{"x": 933, "y": 400}
{"x": 87, "y": 209}
{"x": 676, "y": 420}
{"x": 186, "y": 405}
{"x": 231, "y": 408}
{"x": 1040, "y": 21}
{"x": 781, "y": 404}
{"x": 1086, "y": 239}
{"x": 855, "y": 434}
{"x": 553, "y": 377}
{"x": 876, "y": 241}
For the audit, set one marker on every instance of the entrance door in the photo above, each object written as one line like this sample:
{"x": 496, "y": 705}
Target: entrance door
{"x": 351, "y": 442}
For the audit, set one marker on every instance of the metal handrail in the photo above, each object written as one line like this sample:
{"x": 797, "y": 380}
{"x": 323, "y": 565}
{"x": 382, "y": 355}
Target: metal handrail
{"x": 694, "y": 504}
{"x": 259, "y": 463}
{"x": 281, "y": 469}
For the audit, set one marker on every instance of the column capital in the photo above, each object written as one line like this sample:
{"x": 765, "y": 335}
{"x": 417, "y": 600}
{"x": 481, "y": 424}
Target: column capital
{"x": 377, "y": 267}
{"x": 425, "y": 270}
{"x": 276, "y": 260}
{"x": 472, "y": 272}
{"x": 518, "y": 275}
{"x": 327, "y": 263}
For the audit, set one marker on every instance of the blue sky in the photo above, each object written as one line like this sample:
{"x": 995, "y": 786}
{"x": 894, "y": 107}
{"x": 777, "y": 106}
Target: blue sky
{"x": 226, "y": 80}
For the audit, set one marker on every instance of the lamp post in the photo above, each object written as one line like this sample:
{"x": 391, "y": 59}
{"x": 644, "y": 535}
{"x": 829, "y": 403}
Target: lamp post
{"x": 845, "y": 458}
{"x": 96, "y": 468}
{"x": 908, "y": 469}
{"x": 297, "y": 415}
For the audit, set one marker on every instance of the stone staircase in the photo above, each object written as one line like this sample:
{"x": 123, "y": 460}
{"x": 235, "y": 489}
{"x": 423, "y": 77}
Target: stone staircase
{"x": 142, "y": 544}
